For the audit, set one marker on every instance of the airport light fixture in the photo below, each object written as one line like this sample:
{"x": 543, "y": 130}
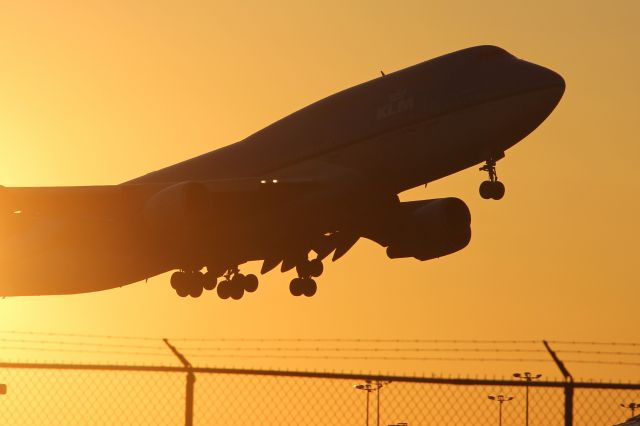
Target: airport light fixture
{"x": 370, "y": 386}
{"x": 501, "y": 399}
{"x": 632, "y": 407}
{"x": 528, "y": 378}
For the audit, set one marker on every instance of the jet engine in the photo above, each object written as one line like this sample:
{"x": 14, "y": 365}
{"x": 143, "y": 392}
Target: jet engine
{"x": 179, "y": 212}
{"x": 430, "y": 229}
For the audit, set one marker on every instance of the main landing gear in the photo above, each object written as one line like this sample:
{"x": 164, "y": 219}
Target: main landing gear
{"x": 492, "y": 188}
{"x": 192, "y": 283}
{"x": 304, "y": 284}
{"x": 235, "y": 284}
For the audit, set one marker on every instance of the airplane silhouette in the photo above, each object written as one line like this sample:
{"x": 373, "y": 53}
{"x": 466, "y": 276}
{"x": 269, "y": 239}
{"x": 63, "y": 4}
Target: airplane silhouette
{"x": 306, "y": 186}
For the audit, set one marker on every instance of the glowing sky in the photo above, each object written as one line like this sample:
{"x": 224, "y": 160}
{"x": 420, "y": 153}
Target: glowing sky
{"x": 101, "y": 92}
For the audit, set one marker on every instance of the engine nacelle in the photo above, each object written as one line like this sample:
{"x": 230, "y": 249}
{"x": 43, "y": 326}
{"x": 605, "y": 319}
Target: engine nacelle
{"x": 431, "y": 228}
{"x": 179, "y": 212}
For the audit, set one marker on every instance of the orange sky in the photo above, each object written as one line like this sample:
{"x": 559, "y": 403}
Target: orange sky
{"x": 98, "y": 93}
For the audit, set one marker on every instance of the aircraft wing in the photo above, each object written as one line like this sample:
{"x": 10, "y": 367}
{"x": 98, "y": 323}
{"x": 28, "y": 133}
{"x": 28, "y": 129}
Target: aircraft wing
{"x": 114, "y": 199}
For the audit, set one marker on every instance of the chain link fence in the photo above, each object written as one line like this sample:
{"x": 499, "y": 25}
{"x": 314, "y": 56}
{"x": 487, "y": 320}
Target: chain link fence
{"x": 66, "y": 394}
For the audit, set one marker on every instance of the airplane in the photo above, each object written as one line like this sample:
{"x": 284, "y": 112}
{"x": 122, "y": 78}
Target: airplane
{"x": 305, "y": 187}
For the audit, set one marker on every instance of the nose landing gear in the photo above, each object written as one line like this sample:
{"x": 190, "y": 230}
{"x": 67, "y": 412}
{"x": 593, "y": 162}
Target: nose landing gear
{"x": 492, "y": 188}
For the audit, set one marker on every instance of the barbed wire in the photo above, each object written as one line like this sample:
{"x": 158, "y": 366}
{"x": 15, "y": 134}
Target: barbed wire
{"x": 319, "y": 340}
{"x": 591, "y": 343}
{"x": 343, "y": 340}
{"x": 366, "y": 358}
{"x": 236, "y": 356}
{"x": 391, "y": 358}
{"x": 80, "y": 335}
{"x": 79, "y": 351}
{"x": 352, "y": 349}
{"x": 305, "y": 352}
{"x": 616, "y": 353}
{"x": 95, "y": 344}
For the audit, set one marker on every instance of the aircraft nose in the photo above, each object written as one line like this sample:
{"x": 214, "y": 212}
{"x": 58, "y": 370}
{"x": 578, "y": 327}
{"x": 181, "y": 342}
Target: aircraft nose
{"x": 544, "y": 78}
{"x": 554, "y": 80}
{"x": 555, "y": 85}
{"x": 540, "y": 79}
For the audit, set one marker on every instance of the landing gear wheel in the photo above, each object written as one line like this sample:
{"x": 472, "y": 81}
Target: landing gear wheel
{"x": 177, "y": 280}
{"x": 498, "y": 190}
{"x": 209, "y": 281}
{"x": 250, "y": 283}
{"x": 310, "y": 268}
{"x": 486, "y": 189}
{"x": 302, "y": 269}
{"x": 237, "y": 290}
{"x": 196, "y": 291}
{"x": 315, "y": 267}
{"x": 237, "y": 286}
{"x": 310, "y": 287}
{"x": 193, "y": 283}
{"x": 296, "y": 287}
{"x": 182, "y": 291}
{"x": 492, "y": 190}
{"x": 224, "y": 291}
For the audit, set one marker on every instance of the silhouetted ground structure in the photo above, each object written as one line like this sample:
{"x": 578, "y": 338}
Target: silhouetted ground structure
{"x": 97, "y": 380}
{"x": 78, "y": 394}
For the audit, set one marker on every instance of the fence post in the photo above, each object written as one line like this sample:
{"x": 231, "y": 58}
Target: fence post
{"x": 191, "y": 380}
{"x": 568, "y": 404}
{"x": 568, "y": 387}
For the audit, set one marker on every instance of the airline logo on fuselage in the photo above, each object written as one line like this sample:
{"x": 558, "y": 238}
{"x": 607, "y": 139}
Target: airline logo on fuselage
{"x": 398, "y": 102}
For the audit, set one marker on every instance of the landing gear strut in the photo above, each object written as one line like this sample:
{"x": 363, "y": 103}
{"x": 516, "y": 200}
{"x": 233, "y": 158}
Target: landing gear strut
{"x": 492, "y": 188}
{"x": 234, "y": 284}
{"x": 304, "y": 284}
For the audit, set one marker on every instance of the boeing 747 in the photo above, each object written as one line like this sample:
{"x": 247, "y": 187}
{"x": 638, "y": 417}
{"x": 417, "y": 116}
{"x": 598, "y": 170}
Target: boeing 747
{"x": 306, "y": 187}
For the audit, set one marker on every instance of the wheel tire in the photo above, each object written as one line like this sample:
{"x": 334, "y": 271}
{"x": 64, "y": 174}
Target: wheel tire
{"x": 182, "y": 291}
{"x": 498, "y": 190}
{"x": 250, "y": 283}
{"x": 224, "y": 290}
{"x": 316, "y": 268}
{"x": 310, "y": 287}
{"x": 237, "y": 289}
{"x": 296, "y": 287}
{"x": 177, "y": 280}
{"x": 196, "y": 292}
{"x": 196, "y": 277}
{"x": 194, "y": 282}
{"x": 486, "y": 189}
{"x": 209, "y": 281}
{"x": 303, "y": 269}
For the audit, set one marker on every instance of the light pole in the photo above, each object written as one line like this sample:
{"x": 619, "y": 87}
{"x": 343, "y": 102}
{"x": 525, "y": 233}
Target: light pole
{"x": 528, "y": 377}
{"x": 631, "y": 406}
{"x": 501, "y": 399}
{"x": 370, "y": 386}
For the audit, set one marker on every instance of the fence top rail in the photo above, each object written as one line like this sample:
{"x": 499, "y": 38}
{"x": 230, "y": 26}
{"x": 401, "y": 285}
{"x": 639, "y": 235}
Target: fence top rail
{"x": 316, "y": 375}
